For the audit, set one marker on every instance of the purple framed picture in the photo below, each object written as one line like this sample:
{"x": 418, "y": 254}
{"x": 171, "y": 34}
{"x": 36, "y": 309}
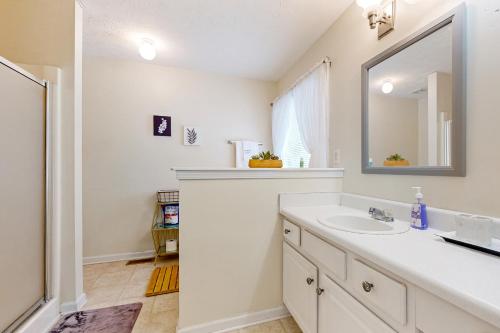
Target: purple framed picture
{"x": 162, "y": 126}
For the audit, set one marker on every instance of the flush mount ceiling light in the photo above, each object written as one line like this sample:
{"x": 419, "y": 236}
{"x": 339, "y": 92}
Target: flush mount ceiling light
{"x": 380, "y": 14}
{"x": 387, "y": 87}
{"x": 147, "y": 49}
{"x": 368, "y": 3}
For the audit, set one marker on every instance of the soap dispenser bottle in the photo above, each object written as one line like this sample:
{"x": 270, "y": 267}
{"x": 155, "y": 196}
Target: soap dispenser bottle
{"x": 419, "y": 211}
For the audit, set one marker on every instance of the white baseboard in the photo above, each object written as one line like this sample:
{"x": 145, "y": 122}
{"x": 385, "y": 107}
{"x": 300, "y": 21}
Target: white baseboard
{"x": 43, "y": 319}
{"x": 74, "y": 306}
{"x": 234, "y": 323}
{"x": 118, "y": 257}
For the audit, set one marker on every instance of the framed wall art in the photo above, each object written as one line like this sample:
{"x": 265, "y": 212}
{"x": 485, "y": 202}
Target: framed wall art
{"x": 162, "y": 126}
{"x": 191, "y": 136}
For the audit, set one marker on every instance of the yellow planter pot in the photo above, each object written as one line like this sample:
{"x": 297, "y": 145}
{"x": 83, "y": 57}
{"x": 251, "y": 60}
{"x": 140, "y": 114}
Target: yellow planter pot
{"x": 396, "y": 163}
{"x": 265, "y": 163}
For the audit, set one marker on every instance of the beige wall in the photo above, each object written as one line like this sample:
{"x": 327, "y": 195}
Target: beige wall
{"x": 349, "y": 42}
{"x": 124, "y": 164}
{"x": 423, "y": 131}
{"x": 48, "y": 32}
{"x": 393, "y": 128}
{"x": 231, "y": 245}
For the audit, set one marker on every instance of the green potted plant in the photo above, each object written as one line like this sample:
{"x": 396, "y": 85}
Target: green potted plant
{"x": 396, "y": 160}
{"x": 265, "y": 160}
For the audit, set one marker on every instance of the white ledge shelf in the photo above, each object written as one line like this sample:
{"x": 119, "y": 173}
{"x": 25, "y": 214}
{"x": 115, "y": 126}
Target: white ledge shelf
{"x": 243, "y": 173}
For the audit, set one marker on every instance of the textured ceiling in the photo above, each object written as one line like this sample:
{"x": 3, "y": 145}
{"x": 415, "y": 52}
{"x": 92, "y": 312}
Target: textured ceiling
{"x": 249, "y": 38}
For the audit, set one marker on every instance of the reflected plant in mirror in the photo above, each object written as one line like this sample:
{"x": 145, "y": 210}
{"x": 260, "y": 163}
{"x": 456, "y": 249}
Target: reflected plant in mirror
{"x": 414, "y": 104}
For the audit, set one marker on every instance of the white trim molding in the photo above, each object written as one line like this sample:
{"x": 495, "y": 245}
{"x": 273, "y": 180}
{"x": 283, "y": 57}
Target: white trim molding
{"x": 257, "y": 173}
{"x": 117, "y": 257}
{"x": 76, "y": 305}
{"x": 21, "y": 71}
{"x": 234, "y": 323}
{"x": 43, "y": 319}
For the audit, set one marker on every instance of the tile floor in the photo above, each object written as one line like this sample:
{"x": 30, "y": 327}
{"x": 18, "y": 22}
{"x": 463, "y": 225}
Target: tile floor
{"x": 115, "y": 283}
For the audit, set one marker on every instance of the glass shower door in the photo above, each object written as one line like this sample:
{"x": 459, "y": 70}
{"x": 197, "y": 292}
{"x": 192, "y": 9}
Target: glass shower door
{"x": 22, "y": 196}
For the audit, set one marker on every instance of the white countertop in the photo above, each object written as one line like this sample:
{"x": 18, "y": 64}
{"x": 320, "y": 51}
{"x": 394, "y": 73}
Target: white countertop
{"x": 466, "y": 278}
{"x": 246, "y": 173}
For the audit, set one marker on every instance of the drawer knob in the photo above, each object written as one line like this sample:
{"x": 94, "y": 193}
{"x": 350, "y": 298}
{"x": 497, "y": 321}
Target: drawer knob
{"x": 287, "y": 231}
{"x": 319, "y": 291}
{"x": 367, "y": 286}
{"x": 309, "y": 280}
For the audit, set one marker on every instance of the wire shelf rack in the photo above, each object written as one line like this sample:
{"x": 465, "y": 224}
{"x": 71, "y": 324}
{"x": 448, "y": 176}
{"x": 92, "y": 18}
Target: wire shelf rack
{"x": 160, "y": 230}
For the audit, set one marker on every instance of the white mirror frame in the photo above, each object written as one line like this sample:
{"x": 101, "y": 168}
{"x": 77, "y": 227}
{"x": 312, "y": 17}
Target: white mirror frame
{"x": 456, "y": 18}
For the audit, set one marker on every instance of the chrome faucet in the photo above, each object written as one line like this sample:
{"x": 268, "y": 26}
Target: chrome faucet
{"x": 381, "y": 215}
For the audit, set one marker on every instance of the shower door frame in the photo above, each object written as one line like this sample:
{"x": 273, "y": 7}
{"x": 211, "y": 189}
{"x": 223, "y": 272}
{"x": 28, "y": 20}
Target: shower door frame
{"x": 47, "y": 154}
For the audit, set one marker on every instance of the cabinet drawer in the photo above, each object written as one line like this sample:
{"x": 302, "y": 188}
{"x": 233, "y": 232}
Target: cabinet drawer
{"x": 291, "y": 232}
{"x": 331, "y": 258}
{"x": 379, "y": 290}
{"x": 342, "y": 313}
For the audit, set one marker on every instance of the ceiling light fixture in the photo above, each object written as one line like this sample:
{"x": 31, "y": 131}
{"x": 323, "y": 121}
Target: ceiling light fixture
{"x": 387, "y": 87}
{"x": 147, "y": 49}
{"x": 380, "y": 13}
{"x": 368, "y": 3}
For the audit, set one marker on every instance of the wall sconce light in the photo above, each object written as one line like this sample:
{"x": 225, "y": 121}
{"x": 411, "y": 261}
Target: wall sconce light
{"x": 380, "y": 13}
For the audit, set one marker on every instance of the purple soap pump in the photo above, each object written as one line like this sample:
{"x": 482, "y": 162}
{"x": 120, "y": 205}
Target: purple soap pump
{"x": 419, "y": 211}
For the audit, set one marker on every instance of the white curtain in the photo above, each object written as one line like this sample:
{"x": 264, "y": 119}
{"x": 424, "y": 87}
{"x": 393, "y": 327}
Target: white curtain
{"x": 282, "y": 111}
{"x": 311, "y": 103}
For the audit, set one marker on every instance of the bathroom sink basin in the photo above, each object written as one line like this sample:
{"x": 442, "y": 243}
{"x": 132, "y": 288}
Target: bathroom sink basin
{"x": 363, "y": 224}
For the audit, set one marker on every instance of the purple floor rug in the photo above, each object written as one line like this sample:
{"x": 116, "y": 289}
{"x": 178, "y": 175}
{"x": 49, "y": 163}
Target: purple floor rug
{"x": 115, "y": 319}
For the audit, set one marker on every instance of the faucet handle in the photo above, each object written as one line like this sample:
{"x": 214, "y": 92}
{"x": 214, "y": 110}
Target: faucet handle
{"x": 372, "y": 210}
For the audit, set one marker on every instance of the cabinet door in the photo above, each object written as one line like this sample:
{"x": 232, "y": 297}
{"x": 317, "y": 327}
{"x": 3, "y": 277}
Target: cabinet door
{"x": 339, "y": 312}
{"x": 434, "y": 315}
{"x": 299, "y": 289}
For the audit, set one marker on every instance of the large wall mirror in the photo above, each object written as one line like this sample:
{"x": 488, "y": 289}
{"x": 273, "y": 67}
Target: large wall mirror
{"x": 414, "y": 103}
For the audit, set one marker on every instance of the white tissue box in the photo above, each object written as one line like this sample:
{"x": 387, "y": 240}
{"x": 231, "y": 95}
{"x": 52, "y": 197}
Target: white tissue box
{"x": 474, "y": 229}
{"x": 171, "y": 245}
{"x": 483, "y": 230}
{"x": 465, "y": 227}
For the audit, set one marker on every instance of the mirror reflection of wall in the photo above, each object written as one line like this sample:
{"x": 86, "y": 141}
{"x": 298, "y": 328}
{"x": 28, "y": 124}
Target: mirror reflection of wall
{"x": 410, "y": 105}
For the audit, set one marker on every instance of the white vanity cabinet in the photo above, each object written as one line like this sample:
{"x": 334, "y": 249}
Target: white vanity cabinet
{"x": 317, "y": 303}
{"x": 329, "y": 289}
{"x": 300, "y": 280}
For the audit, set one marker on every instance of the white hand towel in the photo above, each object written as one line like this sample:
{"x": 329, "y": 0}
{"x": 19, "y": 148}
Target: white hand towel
{"x": 250, "y": 148}
{"x": 244, "y": 151}
{"x": 238, "y": 148}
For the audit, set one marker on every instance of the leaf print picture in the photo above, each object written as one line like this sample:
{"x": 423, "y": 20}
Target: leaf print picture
{"x": 162, "y": 126}
{"x": 191, "y": 136}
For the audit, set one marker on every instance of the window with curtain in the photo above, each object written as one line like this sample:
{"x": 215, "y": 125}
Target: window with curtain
{"x": 300, "y": 121}
{"x": 294, "y": 149}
